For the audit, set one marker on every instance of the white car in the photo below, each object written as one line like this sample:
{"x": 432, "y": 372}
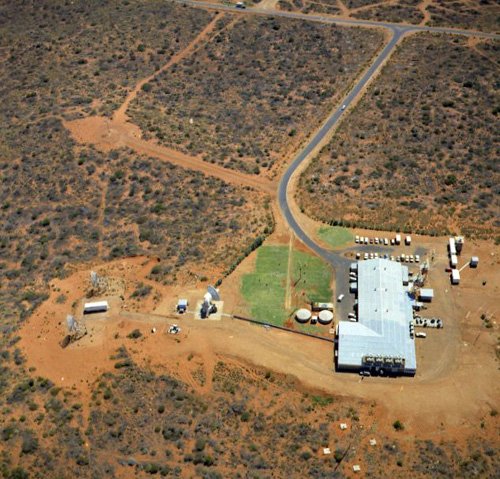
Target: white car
{"x": 343, "y": 107}
{"x": 340, "y": 297}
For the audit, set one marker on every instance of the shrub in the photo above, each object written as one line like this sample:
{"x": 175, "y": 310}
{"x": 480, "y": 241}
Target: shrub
{"x": 135, "y": 334}
{"x": 398, "y": 425}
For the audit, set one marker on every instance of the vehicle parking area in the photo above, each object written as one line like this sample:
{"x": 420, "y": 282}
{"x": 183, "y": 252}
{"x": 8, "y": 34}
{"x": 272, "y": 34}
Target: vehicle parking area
{"x": 453, "y": 316}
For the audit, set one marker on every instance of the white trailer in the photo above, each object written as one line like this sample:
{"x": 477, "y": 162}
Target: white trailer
{"x": 408, "y": 240}
{"x": 453, "y": 260}
{"x": 95, "y": 307}
{"x": 398, "y": 239}
{"x": 451, "y": 246}
{"x": 455, "y": 276}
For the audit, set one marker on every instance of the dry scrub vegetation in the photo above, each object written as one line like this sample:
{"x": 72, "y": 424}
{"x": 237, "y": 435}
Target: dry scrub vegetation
{"x": 253, "y": 423}
{"x": 250, "y": 95}
{"x": 472, "y": 14}
{"x": 61, "y": 59}
{"x": 420, "y": 151}
{"x": 61, "y": 203}
{"x": 329, "y": 7}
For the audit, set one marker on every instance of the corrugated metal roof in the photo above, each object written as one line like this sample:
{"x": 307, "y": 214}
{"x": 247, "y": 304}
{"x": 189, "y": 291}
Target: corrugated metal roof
{"x": 384, "y": 315}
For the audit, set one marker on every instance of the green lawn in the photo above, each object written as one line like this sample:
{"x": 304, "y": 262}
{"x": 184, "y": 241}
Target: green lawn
{"x": 264, "y": 289}
{"x": 335, "y": 236}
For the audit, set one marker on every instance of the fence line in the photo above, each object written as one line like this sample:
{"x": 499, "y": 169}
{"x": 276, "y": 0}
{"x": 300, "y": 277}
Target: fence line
{"x": 282, "y": 328}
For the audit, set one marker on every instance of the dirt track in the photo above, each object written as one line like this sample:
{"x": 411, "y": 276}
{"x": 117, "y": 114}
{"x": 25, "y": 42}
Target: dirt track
{"x": 107, "y": 134}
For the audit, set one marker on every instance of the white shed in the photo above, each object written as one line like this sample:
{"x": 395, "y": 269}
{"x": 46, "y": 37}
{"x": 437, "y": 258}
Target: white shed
{"x": 453, "y": 260}
{"x": 95, "y": 307}
{"x": 408, "y": 241}
{"x": 426, "y": 294}
{"x": 474, "y": 261}
{"x": 451, "y": 246}
{"x": 455, "y": 276}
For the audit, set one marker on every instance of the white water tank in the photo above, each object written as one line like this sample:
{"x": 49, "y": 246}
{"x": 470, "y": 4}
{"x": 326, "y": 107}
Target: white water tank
{"x": 325, "y": 317}
{"x": 303, "y": 315}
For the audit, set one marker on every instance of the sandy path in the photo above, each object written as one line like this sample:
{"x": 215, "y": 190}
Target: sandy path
{"x": 268, "y": 4}
{"x": 121, "y": 114}
{"x": 107, "y": 134}
{"x": 118, "y": 132}
{"x": 423, "y": 8}
{"x": 343, "y": 8}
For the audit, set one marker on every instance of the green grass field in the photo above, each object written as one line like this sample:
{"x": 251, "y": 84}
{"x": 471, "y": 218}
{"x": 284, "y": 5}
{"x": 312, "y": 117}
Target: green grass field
{"x": 335, "y": 236}
{"x": 265, "y": 288}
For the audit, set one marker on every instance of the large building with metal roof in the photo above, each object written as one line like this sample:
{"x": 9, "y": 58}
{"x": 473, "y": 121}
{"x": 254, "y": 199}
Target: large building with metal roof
{"x": 382, "y": 340}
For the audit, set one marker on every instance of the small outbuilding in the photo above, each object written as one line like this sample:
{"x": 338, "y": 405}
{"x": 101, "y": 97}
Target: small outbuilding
{"x": 426, "y": 294}
{"x": 182, "y": 305}
{"x": 452, "y": 246}
{"x": 408, "y": 241}
{"x": 95, "y": 307}
{"x": 453, "y": 260}
{"x": 317, "y": 306}
{"x": 474, "y": 261}
{"x": 455, "y": 276}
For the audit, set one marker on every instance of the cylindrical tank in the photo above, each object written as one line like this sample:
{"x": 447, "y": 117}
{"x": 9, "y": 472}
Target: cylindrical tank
{"x": 303, "y": 315}
{"x": 325, "y": 317}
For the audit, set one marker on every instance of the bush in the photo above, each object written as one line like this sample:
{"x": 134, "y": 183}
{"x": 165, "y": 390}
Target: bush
{"x": 398, "y": 425}
{"x": 135, "y": 334}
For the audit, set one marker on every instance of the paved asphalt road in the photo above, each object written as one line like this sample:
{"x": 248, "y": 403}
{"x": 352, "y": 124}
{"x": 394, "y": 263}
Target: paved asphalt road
{"x": 337, "y": 260}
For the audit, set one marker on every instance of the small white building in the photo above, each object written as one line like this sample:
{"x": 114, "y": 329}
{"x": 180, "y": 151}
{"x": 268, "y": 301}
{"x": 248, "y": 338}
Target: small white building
{"x": 426, "y": 294}
{"x": 95, "y": 307}
{"x": 398, "y": 239}
{"x": 474, "y": 261}
{"x": 453, "y": 260}
{"x": 455, "y": 276}
{"x": 451, "y": 246}
{"x": 408, "y": 240}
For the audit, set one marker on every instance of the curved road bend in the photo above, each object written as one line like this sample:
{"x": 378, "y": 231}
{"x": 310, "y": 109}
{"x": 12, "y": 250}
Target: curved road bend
{"x": 339, "y": 262}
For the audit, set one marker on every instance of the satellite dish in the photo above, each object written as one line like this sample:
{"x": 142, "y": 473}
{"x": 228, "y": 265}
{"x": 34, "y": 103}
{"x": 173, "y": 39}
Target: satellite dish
{"x": 70, "y": 323}
{"x": 214, "y": 293}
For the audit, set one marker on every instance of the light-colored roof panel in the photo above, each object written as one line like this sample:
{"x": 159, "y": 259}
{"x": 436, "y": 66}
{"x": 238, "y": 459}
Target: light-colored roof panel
{"x": 384, "y": 315}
